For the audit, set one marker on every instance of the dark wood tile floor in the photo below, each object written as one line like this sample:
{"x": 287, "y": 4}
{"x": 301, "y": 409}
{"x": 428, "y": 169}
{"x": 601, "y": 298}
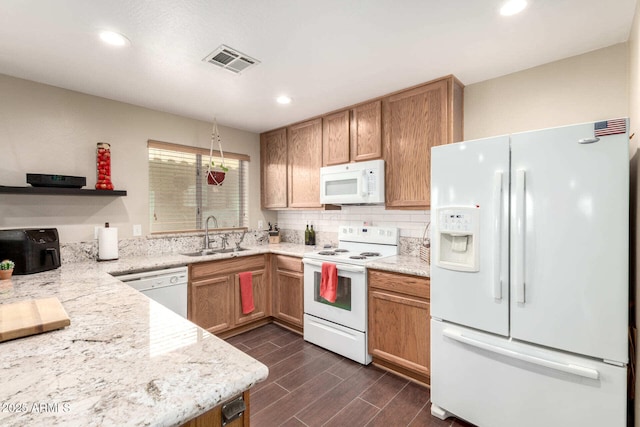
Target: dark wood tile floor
{"x": 310, "y": 386}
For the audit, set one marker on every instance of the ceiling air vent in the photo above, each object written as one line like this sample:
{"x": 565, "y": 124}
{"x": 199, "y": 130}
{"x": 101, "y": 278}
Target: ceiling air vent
{"x": 230, "y": 59}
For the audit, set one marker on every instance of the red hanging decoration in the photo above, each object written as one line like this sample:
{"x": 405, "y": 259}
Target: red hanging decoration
{"x": 103, "y": 166}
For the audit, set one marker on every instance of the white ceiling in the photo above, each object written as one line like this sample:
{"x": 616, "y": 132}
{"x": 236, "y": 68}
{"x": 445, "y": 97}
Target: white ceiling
{"x": 325, "y": 54}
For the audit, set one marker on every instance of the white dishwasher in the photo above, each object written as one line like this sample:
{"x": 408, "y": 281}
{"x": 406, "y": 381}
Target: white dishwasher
{"x": 167, "y": 286}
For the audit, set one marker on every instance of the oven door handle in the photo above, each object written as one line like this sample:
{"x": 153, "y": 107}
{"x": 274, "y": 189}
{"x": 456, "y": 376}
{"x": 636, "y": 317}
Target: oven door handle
{"x": 343, "y": 267}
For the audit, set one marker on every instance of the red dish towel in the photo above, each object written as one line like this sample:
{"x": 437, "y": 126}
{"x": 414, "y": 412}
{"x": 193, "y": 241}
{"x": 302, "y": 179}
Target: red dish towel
{"x": 329, "y": 281}
{"x": 246, "y": 292}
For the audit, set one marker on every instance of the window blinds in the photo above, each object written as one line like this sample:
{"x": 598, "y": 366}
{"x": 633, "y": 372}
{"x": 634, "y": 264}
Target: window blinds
{"x": 180, "y": 198}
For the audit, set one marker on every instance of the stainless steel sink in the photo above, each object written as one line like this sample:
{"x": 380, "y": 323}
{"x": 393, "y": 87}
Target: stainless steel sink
{"x": 215, "y": 251}
{"x": 229, "y": 250}
{"x": 199, "y": 253}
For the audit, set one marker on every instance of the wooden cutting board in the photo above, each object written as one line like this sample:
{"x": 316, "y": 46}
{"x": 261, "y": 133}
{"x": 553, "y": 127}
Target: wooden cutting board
{"x": 31, "y": 317}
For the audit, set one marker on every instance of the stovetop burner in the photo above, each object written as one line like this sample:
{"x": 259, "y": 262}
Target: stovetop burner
{"x": 327, "y": 253}
{"x": 366, "y": 254}
{"x": 357, "y": 245}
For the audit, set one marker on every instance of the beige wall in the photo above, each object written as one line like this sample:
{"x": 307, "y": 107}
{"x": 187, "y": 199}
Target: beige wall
{"x": 634, "y": 115}
{"x": 583, "y": 88}
{"x": 634, "y": 74}
{"x": 44, "y": 129}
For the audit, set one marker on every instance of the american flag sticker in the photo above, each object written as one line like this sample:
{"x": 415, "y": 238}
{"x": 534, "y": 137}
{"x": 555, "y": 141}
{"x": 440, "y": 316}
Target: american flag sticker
{"x": 610, "y": 127}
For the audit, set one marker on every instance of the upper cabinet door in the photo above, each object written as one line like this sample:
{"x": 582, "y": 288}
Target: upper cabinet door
{"x": 335, "y": 138}
{"x": 357, "y": 138}
{"x": 414, "y": 121}
{"x": 305, "y": 160}
{"x": 366, "y": 131}
{"x": 273, "y": 162}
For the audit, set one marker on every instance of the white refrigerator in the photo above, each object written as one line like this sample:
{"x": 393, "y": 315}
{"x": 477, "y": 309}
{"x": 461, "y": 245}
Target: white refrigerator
{"x": 529, "y": 277}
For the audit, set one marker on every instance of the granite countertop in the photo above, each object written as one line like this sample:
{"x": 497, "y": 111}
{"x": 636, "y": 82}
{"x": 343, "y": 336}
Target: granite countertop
{"x": 126, "y": 360}
{"x": 402, "y": 264}
{"x": 133, "y": 264}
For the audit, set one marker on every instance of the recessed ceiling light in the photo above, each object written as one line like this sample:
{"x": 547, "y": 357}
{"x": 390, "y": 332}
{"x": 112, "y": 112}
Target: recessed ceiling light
{"x": 113, "y": 38}
{"x": 511, "y": 7}
{"x": 283, "y": 99}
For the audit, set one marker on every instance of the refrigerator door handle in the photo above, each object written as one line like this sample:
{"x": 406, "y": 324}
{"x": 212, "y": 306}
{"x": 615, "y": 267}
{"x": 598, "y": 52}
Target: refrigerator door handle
{"x": 519, "y": 234}
{"x": 497, "y": 229}
{"x": 569, "y": 368}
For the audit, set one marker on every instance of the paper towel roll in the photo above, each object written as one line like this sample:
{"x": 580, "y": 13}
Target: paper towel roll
{"x": 107, "y": 243}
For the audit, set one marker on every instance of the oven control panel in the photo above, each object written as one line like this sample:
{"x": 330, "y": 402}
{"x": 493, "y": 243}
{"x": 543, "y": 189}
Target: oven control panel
{"x": 367, "y": 234}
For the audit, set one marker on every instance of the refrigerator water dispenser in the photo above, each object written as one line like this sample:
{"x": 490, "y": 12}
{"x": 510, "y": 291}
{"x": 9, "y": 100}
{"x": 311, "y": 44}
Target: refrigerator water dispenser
{"x": 457, "y": 235}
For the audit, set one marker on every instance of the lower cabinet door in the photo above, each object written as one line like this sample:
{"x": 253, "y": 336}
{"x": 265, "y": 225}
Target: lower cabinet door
{"x": 289, "y": 305}
{"x": 212, "y": 303}
{"x": 399, "y": 330}
{"x": 260, "y": 297}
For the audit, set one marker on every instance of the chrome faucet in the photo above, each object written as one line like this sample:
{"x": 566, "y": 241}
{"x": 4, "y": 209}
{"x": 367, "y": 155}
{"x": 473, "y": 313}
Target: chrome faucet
{"x": 239, "y": 242}
{"x": 206, "y": 230}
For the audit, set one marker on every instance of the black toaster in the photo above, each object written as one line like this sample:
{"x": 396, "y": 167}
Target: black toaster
{"x": 32, "y": 250}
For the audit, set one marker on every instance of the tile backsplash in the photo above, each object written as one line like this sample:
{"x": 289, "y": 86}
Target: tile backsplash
{"x": 412, "y": 224}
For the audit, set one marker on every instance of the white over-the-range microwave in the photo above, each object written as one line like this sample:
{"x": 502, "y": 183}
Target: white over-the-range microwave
{"x": 357, "y": 183}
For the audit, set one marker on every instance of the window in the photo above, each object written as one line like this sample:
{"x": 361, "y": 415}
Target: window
{"x": 180, "y": 198}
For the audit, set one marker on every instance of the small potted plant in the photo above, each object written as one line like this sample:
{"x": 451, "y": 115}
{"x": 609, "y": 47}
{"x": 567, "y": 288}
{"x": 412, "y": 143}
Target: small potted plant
{"x": 6, "y": 269}
{"x": 216, "y": 174}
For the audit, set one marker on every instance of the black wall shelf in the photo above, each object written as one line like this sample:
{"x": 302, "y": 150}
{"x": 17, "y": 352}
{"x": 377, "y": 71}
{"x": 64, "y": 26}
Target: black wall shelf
{"x": 61, "y": 191}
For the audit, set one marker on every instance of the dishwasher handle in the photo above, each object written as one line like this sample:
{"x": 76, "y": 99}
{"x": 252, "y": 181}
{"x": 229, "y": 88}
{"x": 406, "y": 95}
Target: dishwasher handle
{"x": 130, "y": 277}
{"x": 148, "y": 285}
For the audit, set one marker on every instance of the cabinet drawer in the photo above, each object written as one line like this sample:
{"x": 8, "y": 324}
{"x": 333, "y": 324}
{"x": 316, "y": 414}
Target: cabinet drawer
{"x": 226, "y": 266}
{"x": 289, "y": 263}
{"x": 402, "y": 283}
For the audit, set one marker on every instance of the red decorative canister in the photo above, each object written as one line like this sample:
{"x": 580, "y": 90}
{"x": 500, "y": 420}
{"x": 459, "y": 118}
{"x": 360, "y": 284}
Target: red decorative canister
{"x": 103, "y": 166}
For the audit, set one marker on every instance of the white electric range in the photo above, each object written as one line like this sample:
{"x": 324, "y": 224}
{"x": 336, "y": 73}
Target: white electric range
{"x": 341, "y": 326}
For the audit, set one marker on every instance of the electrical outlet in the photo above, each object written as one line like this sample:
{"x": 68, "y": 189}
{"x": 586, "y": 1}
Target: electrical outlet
{"x": 260, "y": 224}
{"x": 137, "y": 230}
{"x": 95, "y": 232}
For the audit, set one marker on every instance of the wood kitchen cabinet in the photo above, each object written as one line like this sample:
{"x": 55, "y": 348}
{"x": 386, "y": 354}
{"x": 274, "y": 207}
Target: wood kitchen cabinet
{"x": 304, "y": 159}
{"x": 335, "y": 138}
{"x": 400, "y": 128}
{"x": 366, "y": 131}
{"x": 290, "y": 166}
{"x": 210, "y": 303}
{"x": 398, "y": 318}
{"x": 214, "y": 417}
{"x": 288, "y": 278}
{"x": 352, "y": 135}
{"x": 273, "y": 165}
{"x": 215, "y": 303}
{"x": 260, "y": 296}
{"x": 415, "y": 120}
